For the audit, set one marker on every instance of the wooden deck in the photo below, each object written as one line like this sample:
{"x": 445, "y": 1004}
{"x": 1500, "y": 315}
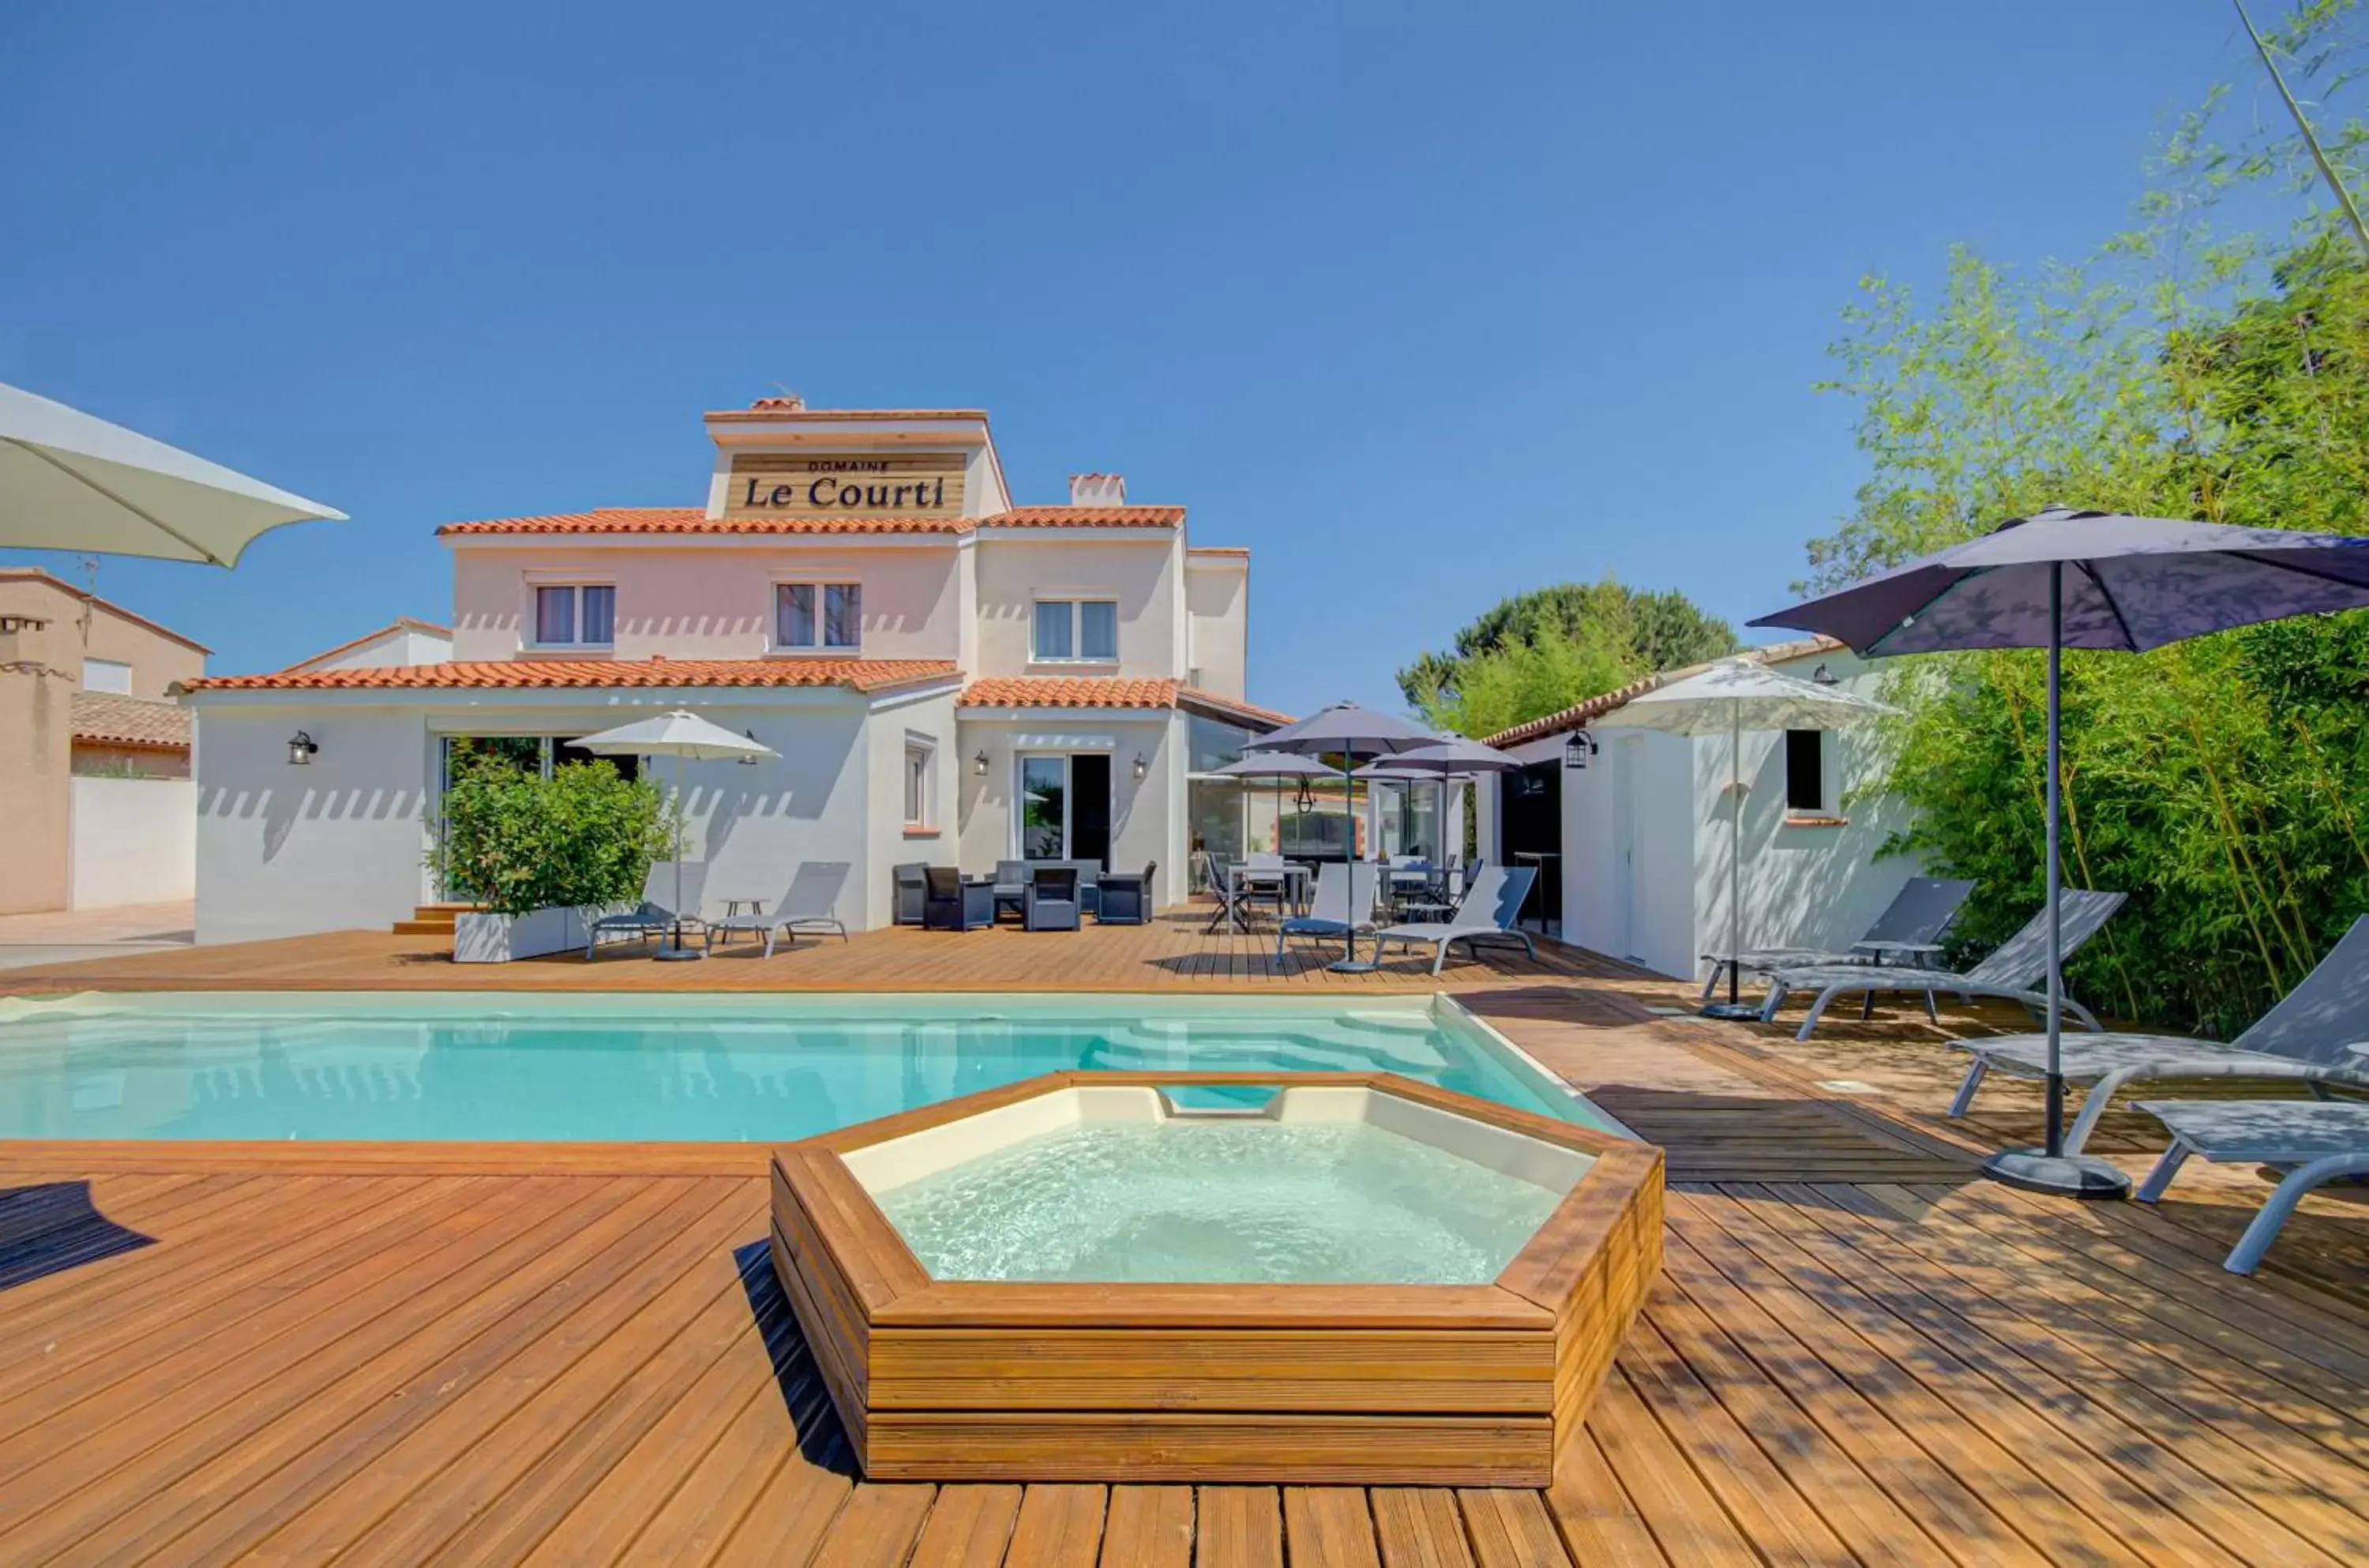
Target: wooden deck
{"x": 573, "y": 1354}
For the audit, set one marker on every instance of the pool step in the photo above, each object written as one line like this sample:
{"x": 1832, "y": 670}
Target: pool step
{"x": 429, "y": 920}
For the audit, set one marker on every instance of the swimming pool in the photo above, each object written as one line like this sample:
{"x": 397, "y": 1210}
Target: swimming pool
{"x": 681, "y": 1068}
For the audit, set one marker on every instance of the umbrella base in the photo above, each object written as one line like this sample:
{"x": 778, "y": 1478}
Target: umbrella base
{"x": 1353, "y": 967}
{"x": 1730, "y": 1012}
{"x": 677, "y": 955}
{"x": 2066, "y": 1175}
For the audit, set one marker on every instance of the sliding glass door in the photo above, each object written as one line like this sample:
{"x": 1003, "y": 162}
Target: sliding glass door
{"x": 1044, "y": 809}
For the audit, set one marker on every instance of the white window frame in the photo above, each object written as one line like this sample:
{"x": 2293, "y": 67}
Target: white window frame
{"x": 110, "y": 666}
{"x": 819, "y": 647}
{"x": 920, "y": 808}
{"x": 574, "y": 585}
{"x": 1077, "y": 627}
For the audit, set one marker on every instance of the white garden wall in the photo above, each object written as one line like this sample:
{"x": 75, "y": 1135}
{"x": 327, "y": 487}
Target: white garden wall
{"x": 134, "y": 841}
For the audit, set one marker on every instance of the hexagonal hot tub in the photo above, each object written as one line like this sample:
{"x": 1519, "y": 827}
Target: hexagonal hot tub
{"x": 1216, "y": 1276}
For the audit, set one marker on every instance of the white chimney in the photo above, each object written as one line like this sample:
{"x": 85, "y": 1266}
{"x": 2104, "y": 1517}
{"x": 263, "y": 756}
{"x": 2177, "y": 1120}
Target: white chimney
{"x": 1098, "y": 489}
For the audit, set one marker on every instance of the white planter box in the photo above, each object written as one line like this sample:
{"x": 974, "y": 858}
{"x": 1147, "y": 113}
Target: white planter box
{"x": 482, "y": 938}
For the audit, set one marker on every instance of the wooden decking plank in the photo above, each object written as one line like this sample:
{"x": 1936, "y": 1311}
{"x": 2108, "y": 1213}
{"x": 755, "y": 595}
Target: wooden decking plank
{"x": 1662, "y": 1483}
{"x": 786, "y": 1522}
{"x": 1329, "y": 1527}
{"x": 1238, "y": 1527}
{"x": 2076, "y": 1457}
{"x": 969, "y": 1527}
{"x": 465, "y": 1465}
{"x": 460, "y": 1387}
{"x": 1511, "y": 1529}
{"x": 708, "y": 1506}
{"x": 1870, "y": 1481}
{"x": 1059, "y": 1526}
{"x": 1420, "y": 1526}
{"x": 163, "y": 1481}
{"x": 875, "y": 1528}
{"x": 1149, "y": 1526}
{"x": 2263, "y": 1443}
{"x": 1600, "y": 1525}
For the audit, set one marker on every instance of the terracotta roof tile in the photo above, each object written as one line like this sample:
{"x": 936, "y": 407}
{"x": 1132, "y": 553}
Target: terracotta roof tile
{"x": 859, "y": 674}
{"x": 1069, "y": 692}
{"x": 111, "y": 720}
{"x": 1597, "y": 708}
{"x": 1085, "y": 517}
{"x": 1192, "y": 696}
{"x": 695, "y": 520}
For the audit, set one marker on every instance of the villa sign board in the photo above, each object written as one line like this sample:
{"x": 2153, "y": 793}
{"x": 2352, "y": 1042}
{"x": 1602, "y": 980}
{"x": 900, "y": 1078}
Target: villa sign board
{"x": 862, "y": 484}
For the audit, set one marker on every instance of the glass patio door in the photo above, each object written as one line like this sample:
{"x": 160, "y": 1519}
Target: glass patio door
{"x": 1044, "y": 809}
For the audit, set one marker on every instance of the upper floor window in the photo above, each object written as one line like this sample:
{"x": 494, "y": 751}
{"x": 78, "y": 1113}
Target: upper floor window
{"x": 107, "y": 675}
{"x": 579, "y": 615}
{"x": 817, "y": 614}
{"x": 1076, "y": 629}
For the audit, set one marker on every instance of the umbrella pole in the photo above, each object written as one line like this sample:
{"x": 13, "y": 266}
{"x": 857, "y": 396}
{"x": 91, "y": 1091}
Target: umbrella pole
{"x": 1348, "y": 964}
{"x": 2049, "y": 1169}
{"x": 674, "y": 949}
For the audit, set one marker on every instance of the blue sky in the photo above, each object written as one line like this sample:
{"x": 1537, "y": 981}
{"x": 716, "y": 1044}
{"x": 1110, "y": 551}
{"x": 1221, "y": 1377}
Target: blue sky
{"x": 1424, "y": 305}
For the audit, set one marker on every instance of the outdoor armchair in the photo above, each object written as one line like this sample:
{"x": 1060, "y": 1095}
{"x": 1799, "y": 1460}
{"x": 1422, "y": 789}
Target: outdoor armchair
{"x": 905, "y": 883}
{"x": 1489, "y": 913}
{"x": 954, "y": 902}
{"x": 2016, "y": 969}
{"x": 2305, "y": 1038}
{"x": 1909, "y": 929}
{"x": 1011, "y": 885}
{"x": 1127, "y": 897}
{"x": 1051, "y": 903}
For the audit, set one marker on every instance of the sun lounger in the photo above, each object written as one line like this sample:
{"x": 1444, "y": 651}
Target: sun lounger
{"x": 1343, "y": 902}
{"x": 656, "y": 915}
{"x": 810, "y": 907}
{"x": 2017, "y": 969}
{"x": 2304, "y": 1038}
{"x": 1488, "y": 913}
{"x": 2321, "y": 1143}
{"x": 1908, "y": 931}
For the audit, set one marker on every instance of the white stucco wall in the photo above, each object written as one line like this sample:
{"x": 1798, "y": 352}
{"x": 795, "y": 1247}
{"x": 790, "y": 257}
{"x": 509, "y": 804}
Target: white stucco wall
{"x": 283, "y": 850}
{"x": 714, "y": 600}
{"x": 890, "y": 843}
{"x": 1141, "y": 575}
{"x": 397, "y": 646}
{"x": 1147, "y": 814}
{"x": 134, "y": 841}
{"x": 1217, "y": 600}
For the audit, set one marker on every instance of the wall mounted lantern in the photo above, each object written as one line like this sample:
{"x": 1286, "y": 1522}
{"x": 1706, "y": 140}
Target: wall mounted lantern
{"x": 1577, "y": 747}
{"x": 979, "y": 765}
{"x": 1141, "y": 767}
{"x": 300, "y": 749}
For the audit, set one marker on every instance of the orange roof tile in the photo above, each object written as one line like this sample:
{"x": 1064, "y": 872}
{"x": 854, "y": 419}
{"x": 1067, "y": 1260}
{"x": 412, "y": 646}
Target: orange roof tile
{"x": 1069, "y": 692}
{"x": 1085, "y": 517}
{"x": 1581, "y": 714}
{"x": 859, "y": 674}
{"x": 695, "y": 520}
{"x": 110, "y": 720}
{"x": 794, "y": 408}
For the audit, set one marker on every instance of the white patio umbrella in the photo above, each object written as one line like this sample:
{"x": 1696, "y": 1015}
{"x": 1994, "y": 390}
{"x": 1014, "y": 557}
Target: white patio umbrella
{"x": 1735, "y": 696}
{"x": 678, "y": 733}
{"x": 72, "y": 482}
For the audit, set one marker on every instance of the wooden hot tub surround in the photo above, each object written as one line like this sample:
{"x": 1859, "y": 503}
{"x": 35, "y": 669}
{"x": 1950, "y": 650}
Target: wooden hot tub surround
{"x": 1467, "y": 1385}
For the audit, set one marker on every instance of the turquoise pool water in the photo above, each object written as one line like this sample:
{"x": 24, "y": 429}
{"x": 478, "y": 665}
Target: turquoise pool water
{"x": 693, "y": 1069}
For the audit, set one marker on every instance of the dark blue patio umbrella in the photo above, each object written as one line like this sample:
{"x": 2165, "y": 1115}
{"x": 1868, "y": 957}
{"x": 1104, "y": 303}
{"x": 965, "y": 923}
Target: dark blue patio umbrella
{"x": 1354, "y": 732}
{"x": 2062, "y": 578}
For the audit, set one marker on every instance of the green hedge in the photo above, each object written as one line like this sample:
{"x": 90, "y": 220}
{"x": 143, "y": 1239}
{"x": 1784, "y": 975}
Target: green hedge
{"x": 513, "y": 842}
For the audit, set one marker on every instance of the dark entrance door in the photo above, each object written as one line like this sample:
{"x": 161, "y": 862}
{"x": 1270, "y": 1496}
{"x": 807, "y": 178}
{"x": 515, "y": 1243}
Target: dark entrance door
{"x": 1090, "y": 807}
{"x": 1532, "y": 827}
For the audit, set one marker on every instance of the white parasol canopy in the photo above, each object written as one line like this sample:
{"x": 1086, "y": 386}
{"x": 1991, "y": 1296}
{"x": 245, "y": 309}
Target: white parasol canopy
{"x": 678, "y": 733}
{"x": 72, "y": 482}
{"x": 1731, "y": 696}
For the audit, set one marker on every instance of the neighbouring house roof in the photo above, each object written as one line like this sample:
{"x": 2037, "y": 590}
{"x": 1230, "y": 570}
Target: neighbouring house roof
{"x": 101, "y": 718}
{"x": 1109, "y": 691}
{"x": 1588, "y": 713}
{"x": 770, "y": 410}
{"x": 400, "y": 623}
{"x": 695, "y": 520}
{"x": 35, "y": 573}
{"x": 857, "y": 674}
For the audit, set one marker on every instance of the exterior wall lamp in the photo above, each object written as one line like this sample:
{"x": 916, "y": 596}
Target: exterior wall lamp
{"x": 1577, "y": 748}
{"x": 979, "y": 765}
{"x": 300, "y": 749}
{"x": 1141, "y": 767}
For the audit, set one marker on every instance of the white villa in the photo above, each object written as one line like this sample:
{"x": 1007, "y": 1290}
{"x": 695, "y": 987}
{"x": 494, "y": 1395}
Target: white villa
{"x": 947, "y": 677}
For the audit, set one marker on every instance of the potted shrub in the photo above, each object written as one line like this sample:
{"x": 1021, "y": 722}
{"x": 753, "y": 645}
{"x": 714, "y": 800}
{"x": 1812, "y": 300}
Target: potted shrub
{"x": 536, "y": 856}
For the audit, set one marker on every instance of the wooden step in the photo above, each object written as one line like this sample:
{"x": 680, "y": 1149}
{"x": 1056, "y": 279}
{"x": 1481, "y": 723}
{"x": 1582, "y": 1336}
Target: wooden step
{"x": 429, "y": 920}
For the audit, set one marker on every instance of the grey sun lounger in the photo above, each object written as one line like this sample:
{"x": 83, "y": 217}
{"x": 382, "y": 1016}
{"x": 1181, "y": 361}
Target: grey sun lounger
{"x": 2321, "y": 1143}
{"x": 1343, "y": 902}
{"x": 809, "y": 908}
{"x": 1487, "y": 914}
{"x": 2017, "y": 969}
{"x": 2304, "y": 1038}
{"x": 654, "y": 915}
{"x": 1912, "y": 924}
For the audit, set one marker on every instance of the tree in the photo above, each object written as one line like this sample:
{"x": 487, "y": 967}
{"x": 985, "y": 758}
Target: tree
{"x": 516, "y": 841}
{"x": 1559, "y": 645}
